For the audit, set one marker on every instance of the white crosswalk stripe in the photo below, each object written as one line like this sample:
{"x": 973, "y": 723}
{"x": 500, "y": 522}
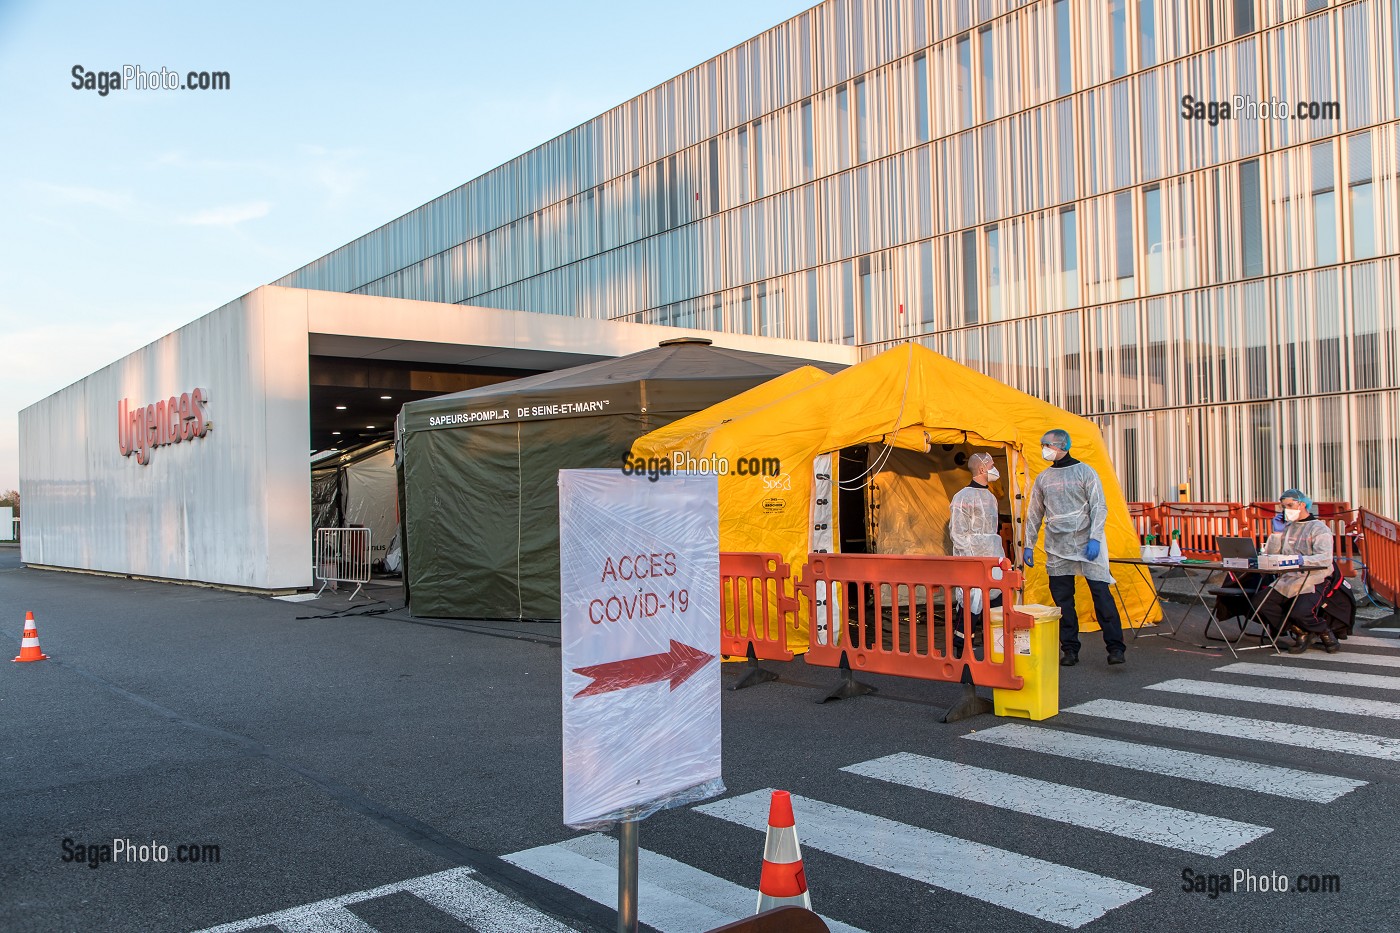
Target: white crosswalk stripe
{"x": 1313, "y": 675}
{"x": 1154, "y": 759}
{"x": 1370, "y": 642}
{"x": 1077, "y": 806}
{"x": 1348, "y": 657}
{"x": 327, "y": 920}
{"x": 1327, "y": 740}
{"x": 1293, "y": 699}
{"x": 454, "y": 892}
{"x": 672, "y": 897}
{"x": 1059, "y": 894}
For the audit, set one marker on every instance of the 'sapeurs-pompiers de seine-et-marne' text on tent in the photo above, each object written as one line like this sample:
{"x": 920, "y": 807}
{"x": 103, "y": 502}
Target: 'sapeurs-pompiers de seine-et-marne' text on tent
{"x": 480, "y": 468}
{"x": 893, "y": 433}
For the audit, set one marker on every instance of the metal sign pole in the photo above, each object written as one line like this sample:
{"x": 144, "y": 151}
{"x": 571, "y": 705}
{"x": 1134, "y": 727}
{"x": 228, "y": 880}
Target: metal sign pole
{"x": 627, "y": 877}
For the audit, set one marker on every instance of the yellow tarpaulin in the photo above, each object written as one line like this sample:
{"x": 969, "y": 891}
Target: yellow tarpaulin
{"x": 908, "y": 398}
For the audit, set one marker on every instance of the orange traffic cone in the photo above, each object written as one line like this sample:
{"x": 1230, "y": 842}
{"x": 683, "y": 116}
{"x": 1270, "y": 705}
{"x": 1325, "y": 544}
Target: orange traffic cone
{"x": 29, "y": 644}
{"x": 783, "y": 881}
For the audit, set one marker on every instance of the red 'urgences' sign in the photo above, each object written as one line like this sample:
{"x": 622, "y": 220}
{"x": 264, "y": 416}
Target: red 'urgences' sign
{"x": 169, "y": 421}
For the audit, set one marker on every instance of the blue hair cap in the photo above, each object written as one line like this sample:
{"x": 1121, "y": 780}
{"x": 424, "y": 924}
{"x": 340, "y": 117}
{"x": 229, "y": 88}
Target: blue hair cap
{"x": 1299, "y": 495}
{"x": 1059, "y": 436}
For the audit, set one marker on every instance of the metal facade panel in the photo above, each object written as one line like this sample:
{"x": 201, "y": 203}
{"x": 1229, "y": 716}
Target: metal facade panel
{"x": 232, "y": 507}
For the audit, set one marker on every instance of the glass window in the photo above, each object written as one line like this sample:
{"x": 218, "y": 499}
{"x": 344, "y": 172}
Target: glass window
{"x": 1064, "y": 60}
{"x": 1359, "y": 195}
{"x": 1244, "y": 17}
{"x": 1363, "y": 222}
{"x": 743, "y": 164}
{"x": 926, "y": 282}
{"x": 1152, "y": 238}
{"x": 1118, "y": 25}
{"x": 964, "y": 53}
{"x": 848, "y": 302}
{"x": 1147, "y": 32}
{"x": 758, "y": 160}
{"x": 813, "y": 314}
{"x": 1315, "y": 5}
{"x": 867, "y": 301}
{"x": 714, "y": 175}
{"x": 969, "y": 277}
{"x": 843, "y": 128}
{"x": 1123, "y": 235}
{"x": 1324, "y": 203}
{"x": 994, "y": 309}
{"x": 808, "y": 155}
{"x": 746, "y": 312}
{"x": 989, "y": 84}
{"x": 862, "y": 124}
{"x": 1251, "y": 220}
{"x": 921, "y": 98}
{"x": 1069, "y": 256}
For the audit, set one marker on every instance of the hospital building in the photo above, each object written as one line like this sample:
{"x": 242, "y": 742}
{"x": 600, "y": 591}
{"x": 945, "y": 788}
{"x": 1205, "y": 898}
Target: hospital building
{"x": 1180, "y": 220}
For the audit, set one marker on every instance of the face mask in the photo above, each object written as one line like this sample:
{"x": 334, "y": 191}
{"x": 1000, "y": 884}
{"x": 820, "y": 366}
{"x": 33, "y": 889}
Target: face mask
{"x": 1292, "y": 515}
{"x": 993, "y": 475}
{"x": 1048, "y": 453}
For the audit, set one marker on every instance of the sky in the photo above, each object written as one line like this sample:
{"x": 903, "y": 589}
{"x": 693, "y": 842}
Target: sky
{"x": 125, "y": 216}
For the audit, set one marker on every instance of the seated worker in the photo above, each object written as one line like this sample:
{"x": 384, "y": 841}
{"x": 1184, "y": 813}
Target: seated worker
{"x": 975, "y": 529}
{"x": 1297, "y": 531}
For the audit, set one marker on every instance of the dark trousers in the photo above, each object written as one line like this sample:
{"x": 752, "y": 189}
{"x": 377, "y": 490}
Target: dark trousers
{"x": 1275, "y": 613}
{"x": 975, "y": 628}
{"x": 1062, "y": 592}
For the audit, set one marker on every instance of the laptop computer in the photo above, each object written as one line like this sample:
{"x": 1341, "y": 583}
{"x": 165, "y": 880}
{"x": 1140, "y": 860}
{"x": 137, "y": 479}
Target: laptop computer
{"x": 1243, "y": 548}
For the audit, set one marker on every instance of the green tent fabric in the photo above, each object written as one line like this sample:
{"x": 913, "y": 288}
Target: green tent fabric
{"x": 480, "y": 467}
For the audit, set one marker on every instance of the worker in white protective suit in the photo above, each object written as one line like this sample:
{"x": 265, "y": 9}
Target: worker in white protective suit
{"x": 973, "y": 525}
{"x": 1068, "y": 499}
{"x": 1290, "y": 605}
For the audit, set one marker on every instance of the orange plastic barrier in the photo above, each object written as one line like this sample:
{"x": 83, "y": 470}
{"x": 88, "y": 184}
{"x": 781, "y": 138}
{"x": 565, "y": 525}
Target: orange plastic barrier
{"x": 1380, "y": 547}
{"x": 754, "y": 605}
{"x": 1200, "y": 523}
{"x": 885, "y": 613}
{"x": 1145, "y": 518}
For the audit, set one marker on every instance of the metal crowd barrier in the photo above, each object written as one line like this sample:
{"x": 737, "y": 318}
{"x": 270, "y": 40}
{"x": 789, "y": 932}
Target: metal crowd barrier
{"x": 342, "y": 556}
{"x": 755, "y": 609}
{"x": 896, "y": 614}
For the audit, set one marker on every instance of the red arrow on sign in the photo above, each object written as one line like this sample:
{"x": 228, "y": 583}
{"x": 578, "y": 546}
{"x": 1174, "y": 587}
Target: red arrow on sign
{"x": 676, "y": 665}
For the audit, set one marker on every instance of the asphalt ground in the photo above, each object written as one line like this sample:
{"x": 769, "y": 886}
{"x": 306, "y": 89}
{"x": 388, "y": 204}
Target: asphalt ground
{"x": 326, "y": 750}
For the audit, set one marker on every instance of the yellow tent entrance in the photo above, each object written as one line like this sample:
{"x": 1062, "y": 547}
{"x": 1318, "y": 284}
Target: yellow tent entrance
{"x": 916, "y": 404}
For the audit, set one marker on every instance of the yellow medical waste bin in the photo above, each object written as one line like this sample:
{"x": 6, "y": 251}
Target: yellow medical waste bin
{"x": 1037, "y": 663}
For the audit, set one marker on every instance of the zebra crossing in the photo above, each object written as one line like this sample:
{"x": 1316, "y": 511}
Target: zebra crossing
{"x": 676, "y": 897}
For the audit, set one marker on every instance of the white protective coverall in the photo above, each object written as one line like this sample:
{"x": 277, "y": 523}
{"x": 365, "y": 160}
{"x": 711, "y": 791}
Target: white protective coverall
{"x": 973, "y": 526}
{"x": 1311, "y": 539}
{"x": 1070, "y": 502}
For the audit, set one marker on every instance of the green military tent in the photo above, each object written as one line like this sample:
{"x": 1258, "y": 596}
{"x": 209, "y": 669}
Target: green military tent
{"x": 480, "y": 468}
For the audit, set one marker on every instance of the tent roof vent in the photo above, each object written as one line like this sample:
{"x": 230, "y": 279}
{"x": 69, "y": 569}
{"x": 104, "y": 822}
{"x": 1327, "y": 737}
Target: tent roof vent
{"x": 678, "y": 341}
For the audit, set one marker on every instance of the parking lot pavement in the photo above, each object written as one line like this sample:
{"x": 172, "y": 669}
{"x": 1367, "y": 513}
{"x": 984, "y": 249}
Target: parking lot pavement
{"x": 362, "y": 771}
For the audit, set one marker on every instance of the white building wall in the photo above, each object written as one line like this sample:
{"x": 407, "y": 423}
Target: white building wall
{"x": 232, "y": 507}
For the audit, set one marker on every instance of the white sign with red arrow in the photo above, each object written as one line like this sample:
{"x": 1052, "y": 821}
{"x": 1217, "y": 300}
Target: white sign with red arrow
{"x": 639, "y": 588}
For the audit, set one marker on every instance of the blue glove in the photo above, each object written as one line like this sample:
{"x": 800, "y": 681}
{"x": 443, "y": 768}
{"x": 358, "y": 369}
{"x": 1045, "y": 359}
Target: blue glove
{"x": 1028, "y": 557}
{"x": 1091, "y": 550}
{"x": 1279, "y": 523}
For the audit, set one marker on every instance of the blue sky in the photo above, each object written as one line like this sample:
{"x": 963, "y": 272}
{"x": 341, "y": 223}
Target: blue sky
{"x": 123, "y": 217}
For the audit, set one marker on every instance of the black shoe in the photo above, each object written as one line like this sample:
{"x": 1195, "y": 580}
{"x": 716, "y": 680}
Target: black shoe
{"x": 1068, "y": 658}
{"x": 1329, "y": 643}
{"x": 1304, "y": 642}
{"x": 1116, "y": 657}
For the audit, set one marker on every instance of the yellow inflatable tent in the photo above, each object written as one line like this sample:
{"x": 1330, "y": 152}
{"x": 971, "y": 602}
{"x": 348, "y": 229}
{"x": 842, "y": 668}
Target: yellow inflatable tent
{"x": 898, "y": 426}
